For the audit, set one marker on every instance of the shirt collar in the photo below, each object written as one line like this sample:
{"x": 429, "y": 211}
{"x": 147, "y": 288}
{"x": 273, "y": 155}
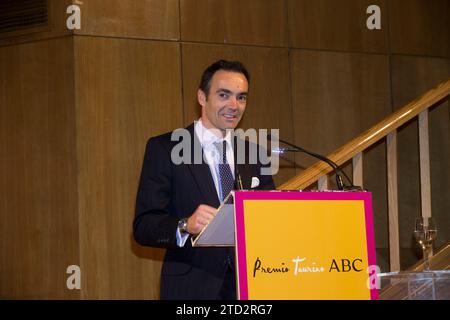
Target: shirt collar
{"x": 207, "y": 137}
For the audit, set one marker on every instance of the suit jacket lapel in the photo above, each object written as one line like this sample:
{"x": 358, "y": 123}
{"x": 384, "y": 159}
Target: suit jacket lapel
{"x": 202, "y": 173}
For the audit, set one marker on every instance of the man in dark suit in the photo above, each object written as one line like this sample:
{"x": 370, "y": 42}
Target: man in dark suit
{"x": 175, "y": 201}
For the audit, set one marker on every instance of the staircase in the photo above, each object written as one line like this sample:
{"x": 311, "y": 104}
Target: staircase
{"x": 319, "y": 172}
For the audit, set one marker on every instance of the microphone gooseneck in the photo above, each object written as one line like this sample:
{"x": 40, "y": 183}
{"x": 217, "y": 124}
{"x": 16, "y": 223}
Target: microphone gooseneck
{"x": 237, "y": 175}
{"x": 332, "y": 164}
{"x": 238, "y": 178}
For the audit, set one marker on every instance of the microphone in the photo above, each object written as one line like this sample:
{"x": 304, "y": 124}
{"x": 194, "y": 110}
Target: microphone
{"x": 238, "y": 179}
{"x": 332, "y": 164}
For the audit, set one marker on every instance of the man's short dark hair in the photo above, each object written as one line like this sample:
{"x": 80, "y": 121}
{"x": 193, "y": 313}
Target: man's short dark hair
{"x": 234, "y": 66}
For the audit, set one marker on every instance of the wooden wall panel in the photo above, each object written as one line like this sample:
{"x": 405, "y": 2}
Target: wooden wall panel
{"x": 411, "y": 77}
{"x": 56, "y": 27}
{"x": 420, "y": 27}
{"x": 38, "y": 186}
{"x": 148, "y": 19}
{"x": 261, "y": 22}
{"x": 336, "y": 25}
{"x": 336, "y": 96}
{"x": 269, "y": 96}
{"x": 127, "y": 91}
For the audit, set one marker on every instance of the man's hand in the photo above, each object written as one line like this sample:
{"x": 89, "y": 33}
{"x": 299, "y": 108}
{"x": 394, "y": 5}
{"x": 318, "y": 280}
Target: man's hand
{"x": 200, "y": 218}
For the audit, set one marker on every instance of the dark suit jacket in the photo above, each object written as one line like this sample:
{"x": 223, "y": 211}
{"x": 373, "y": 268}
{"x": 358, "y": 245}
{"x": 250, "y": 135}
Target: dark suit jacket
{"x": 169, "y": 192}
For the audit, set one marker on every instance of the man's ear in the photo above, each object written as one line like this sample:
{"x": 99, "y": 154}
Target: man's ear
{"x": 201, "y": 97}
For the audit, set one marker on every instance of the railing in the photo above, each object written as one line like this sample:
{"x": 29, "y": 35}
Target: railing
{"x": 387, "y": 128}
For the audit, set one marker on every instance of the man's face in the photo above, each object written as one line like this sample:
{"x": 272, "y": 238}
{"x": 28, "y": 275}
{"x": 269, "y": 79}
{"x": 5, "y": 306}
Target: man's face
{"x": 226, "y": 101}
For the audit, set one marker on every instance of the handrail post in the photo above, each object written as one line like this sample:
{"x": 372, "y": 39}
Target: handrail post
{"x": 322, "y": 183}
{"x": 424, "y": 152}
{"x": 394, "y": 239}
{"x": 357, "y": 162}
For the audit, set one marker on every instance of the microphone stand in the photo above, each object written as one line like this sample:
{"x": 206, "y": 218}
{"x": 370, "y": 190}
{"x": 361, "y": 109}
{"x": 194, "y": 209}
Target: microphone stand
{"x": 238, "y": 180}
{"x": 340, "y": 184}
